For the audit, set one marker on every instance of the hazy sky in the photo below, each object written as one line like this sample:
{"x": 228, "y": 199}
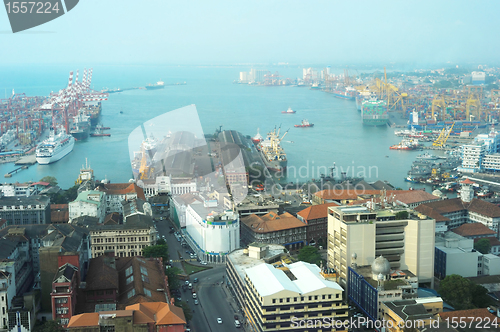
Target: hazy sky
{"x": 270, "y": 31}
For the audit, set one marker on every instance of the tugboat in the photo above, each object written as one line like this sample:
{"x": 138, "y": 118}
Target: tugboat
{"x": 289, "y": 111}
{"x": 304, "y": 124}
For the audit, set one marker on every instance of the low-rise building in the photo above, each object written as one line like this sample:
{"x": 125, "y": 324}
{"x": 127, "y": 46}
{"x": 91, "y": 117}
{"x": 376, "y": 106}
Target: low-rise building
{"x": 420, "y": 312}
{"x": 25, "y": 210}
{"x": 116, "y": 193}
{"x": 274, "y": 228}
{"x": 140, "y": 317}
{"x": 316, "y": 219}
{"x": 136, "y": 206}
{"x": 88, "y": 203}
{"x": 125, "y": 240}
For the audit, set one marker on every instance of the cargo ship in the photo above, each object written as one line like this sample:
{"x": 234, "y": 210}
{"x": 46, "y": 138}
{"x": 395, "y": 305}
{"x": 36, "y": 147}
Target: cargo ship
{"x": 460, "y": 125}
{"x": 374, "y": 112}
{"x": 289, "y": 111}
{"x": 304, "y": 124}
{"x": 80, "y": 129}
{"x": 157, "y": 85}
{"x": 58, "y": 145}
{"x": 93, "y": 110}
{"x": 362, "y": 97}
{"x": 342, "y": 92}
{"x": 272, "y": 153}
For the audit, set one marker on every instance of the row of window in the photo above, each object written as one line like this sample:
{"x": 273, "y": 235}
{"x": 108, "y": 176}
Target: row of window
{"x": 131, "y": 246}
{"x": 302, "y": 298}
{"x": 120, "y": 239}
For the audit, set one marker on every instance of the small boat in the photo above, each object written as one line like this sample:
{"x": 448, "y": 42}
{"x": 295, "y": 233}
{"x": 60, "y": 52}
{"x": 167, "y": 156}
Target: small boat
{"x": 304, "y": 124}
{"x": 289, "y": 111}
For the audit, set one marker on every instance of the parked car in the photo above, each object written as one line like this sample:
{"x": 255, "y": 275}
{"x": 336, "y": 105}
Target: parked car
{"x": 195, "y": 280}
{"x": 195, "y": 301}
{"x": 203, "y": 263}
{"x": 219, "y": 320}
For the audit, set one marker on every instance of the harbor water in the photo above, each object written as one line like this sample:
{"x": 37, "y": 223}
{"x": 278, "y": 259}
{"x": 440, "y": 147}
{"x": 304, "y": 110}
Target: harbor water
{"x": 338, "y": 137}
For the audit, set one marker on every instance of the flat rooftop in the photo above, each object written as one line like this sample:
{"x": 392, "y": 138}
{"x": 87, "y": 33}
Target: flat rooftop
{"x": 241, "y": 261}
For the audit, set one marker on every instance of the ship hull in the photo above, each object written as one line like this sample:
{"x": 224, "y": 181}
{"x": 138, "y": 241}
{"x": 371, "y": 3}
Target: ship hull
{"x": 48, "y": 159}
{"x": 80, "y": 135}
{"x": 154, "y": 87}
{"x": 375, "y": 122}
{"x": 341, "y": 96}
{"x": 274, "y": 165}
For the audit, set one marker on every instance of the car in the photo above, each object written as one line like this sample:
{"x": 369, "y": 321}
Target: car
{"x": 237, "y": 323}
{"x": 203, "y": 263}
{"x": 195, "y": 301}
{"x": 187, "y": 251}
{"x": 186, "y": 282}
{"x": 195, "y": 280}
{"x": 219, "y": 320}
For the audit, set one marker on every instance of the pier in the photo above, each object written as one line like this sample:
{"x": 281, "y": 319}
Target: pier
{"x": 9, "y": 175}
{"x": 27, "y": 160}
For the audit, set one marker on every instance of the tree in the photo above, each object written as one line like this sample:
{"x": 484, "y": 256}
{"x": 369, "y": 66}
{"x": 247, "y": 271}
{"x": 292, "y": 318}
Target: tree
{"x": 402, "y": 215}
{"x": 461, "y": 293}
{"x": 71, "y": 193}
{"x": 50, "y": 179}
{"x": 159, "y": 250}
{"x": 161, "y": 242}
{"x": 187, "y": 310}
{"x": 483, "y": 246}
{"x": 172, "y": 275}
{"x": 310, "y": 254}
{"x": 48, "y": 326}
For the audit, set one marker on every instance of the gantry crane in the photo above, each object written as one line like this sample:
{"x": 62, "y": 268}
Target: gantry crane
{"x": 443, "y": 137}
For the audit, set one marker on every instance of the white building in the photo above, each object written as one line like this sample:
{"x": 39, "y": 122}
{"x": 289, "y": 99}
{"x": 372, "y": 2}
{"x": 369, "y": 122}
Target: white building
{"x": 88, "y": 203}
{"x": 472, "y": 157}
{"x": 7, "y": 292}
{"x": 213, "y": 232}
{"x": 116, "y": 193}
{"x": 167, "y": 185}
{"x": 491, "y": 162}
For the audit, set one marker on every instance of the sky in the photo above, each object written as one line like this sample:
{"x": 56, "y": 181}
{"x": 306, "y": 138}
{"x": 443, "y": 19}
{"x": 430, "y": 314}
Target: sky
{"x": 271, "y": 31}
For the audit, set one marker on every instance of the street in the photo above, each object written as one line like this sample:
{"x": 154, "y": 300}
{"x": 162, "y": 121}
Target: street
{"x": 213, "y": 301}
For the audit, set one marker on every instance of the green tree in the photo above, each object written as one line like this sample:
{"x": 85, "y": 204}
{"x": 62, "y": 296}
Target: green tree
{"x": 310, "y": 254}
{"x": 462, "y": 294}
{"x": 71, "y": 193}
{"x": 161, "y": 242}
{"x": 402, "y": 215}
{"x": 483, "y": 246}
{"x": 50, "y": 179}
{"x": 186, "y": 309}
{"x": 173, "y": 277}
{"x": 48, "y": 326}
{"x": 159, "y": 250}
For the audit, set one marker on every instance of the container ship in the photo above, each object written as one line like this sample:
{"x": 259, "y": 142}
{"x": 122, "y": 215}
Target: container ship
{"x": 460, "y": 125}
{"x": 362, "y": 97}
{"x": 80, "y": 129}
{"x": 348, "y": 93}
{"x": 93, "y": 110}
{"x": 157, "y": 85}
{"x": 304, "y": 124}
{"x": 272, "y": 153}
{"x": 58, "y": 145}
{"x": 374, "y": 112}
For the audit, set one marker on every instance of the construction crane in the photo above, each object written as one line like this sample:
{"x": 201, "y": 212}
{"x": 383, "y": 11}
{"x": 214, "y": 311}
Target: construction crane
{"x": 145, "y": 171}
{"x": 443, "y": 137}
{"x": 438, "y": 102}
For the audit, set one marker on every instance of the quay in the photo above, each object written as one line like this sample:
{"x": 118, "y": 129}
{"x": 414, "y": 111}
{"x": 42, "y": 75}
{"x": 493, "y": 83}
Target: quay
{"x": 27, "y": 160}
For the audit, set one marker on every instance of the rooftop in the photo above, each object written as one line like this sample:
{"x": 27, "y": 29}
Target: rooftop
{"x": 122, "y": 189}
{"x": 30, "y": 200}
{"x": 474, "y": 229}
{"x": 315, "y": 211}
{"x": 436, "y": 209}
{"x": 242, "y": 261}
{"x": 409, "y": 310}
{"x": 271, "y": 222}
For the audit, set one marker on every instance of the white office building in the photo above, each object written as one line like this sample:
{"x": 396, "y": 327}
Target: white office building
{"x": 472, "y": 157}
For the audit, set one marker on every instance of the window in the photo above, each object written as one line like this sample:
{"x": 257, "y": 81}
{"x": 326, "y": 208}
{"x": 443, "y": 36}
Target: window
{"x": 147, "y": 292}
{"x": 130, "y": 279}
{"x": 287, "y": 299}
{"x": 131, "y": 293}
{"x": 129, "y": 271}
{"x": 281, "y": 300}
{"x": 274, "y": 300}
{"x": 144, "y": 270}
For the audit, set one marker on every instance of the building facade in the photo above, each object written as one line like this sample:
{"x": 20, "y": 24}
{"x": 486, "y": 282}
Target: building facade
{"x": 88, "y": 203}
{"x": 25, "y": 210}
{"x": 64, "y": 289}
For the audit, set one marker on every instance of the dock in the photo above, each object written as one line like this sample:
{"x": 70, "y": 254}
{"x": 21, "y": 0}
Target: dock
{"x": 27, "y": 160}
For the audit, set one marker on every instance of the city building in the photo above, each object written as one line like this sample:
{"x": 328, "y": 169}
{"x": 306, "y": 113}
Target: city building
{"x": 273, "y": 292}
{"x": 125, "y": 240}
{"x": 472, "y": 157}
{"x": 178, "y": 206}
{"x": 420, "y": 312}
{"x": 466, "y": 209}
{"x": 162, "y": 185}
{"x": 257, "y": 204}
{"x": 88, "y": 203}
{"x": 140, "y": 317}
{"x": 25, "y": 210}
{"x": 136, "y": 206}
{"x": 64, "y": 290}
{"x": 478, "y": 77}
{"x": 316, "y": 217}
{"x": 59, "y": 213}
{"x": 116, "y": 193}
{"x": 455, "y": 254}
{"x": 274, "y": 228}
{"x": 7, "y": 293}
{"x": 357, "y": 235}
{"x": 211, "y": 230}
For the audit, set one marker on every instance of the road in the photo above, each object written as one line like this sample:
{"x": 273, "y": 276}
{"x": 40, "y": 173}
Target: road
{"x": 213, "y": 302}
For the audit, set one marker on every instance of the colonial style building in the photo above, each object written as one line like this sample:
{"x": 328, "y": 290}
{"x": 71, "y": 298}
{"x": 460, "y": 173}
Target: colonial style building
{"x": 116, "y": 193}
{"x": 315, "y": 217}
{"x": 125, "y": 240}
{"x": 88, "y": 203}
{"x": 274, "y": 228}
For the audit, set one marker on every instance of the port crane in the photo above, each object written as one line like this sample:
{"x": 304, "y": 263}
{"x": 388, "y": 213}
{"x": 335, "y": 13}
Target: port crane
{"x": 443, "y": 137}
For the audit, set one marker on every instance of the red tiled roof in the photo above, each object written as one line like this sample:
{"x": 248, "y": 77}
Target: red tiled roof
{"x": 272, "y": 222}
{"x": 161, "y": 312}
{"x": 40, "y": 183}
{"x": 473, "y": 229}
{"x": 83, "y": 320}
{"x": 59, "y": 213}
{"x": 122, "y": 189}
{"x": 316, "y": 211}
{"x": 493, "y": 241}
{"x": 468, "y": 181}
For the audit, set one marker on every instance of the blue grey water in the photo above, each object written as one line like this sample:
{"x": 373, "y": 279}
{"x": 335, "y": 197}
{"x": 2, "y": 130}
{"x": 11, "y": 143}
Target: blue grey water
{"x": 338, "y": 136}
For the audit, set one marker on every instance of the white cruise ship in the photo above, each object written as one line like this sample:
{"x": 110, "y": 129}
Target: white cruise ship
{"x": 55, "y": 147}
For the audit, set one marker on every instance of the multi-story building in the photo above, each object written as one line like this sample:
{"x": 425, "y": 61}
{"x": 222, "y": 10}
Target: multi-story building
{"x": 7, "y": 293}
{"x": 125, "y": 240}
{"x": 357, "y": 235}
{"x": 178, "y": 206}
{"x": 214, "y": 232}
{"x": 274, "y": 228}
{"x": 64, "y": 289}
{"x": 457, "y": 211}
{"x": 140, "y": 317}
{"x": 420, "y": 312}
{"x": 369, "y": 286}
{"x": 88, "y": 203}
{"x": 25, "y": 210}
{"x": 136, "y": 206}
{"x": 491, "y": 162}
{"x": 316, "y": 217}
{"x": 455, "y": 254}
{"x": 15, "y": 259}
{"x": 472, "y": 157}
{"x": 116, "y": 193}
